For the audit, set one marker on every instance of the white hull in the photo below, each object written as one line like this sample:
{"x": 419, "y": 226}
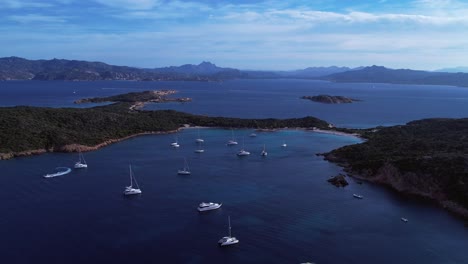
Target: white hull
{"x": 199, "y": 140}
{"x": 284, "y": 145}
{"x": 79, "y": 165}
{"x": 183, "y": 172}
{"x": 211, "y": 206}
{"x": 226, "y": 241}
{"x": 199, "y": 150}
{"x": 404, "y": 219}
{"x": 131, "y": 191}
{"x": 232, "y": 143}
{"x": 358, "y": 196}
{"x": 243, "y": 153}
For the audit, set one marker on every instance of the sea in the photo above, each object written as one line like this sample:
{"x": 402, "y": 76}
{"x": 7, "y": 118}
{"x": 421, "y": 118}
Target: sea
{"x": 282, "y": 208}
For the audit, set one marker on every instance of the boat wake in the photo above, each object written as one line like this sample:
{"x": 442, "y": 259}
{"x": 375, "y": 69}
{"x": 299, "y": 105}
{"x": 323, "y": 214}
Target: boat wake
{"x": 61, "y": 171}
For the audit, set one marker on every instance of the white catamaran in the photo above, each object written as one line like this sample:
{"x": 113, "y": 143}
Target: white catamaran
{"x": 228, "y": 240}
{"x": 129, "y": 190}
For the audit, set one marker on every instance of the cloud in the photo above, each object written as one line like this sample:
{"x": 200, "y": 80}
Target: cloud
{"x": 130, "y": 4}
{"x": 34, "y": 18}
{"x": 17, "y": 4}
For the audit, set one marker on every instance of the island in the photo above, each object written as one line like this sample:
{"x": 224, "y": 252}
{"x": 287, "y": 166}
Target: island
{"x": 138, "y": 99}
{"x": 338, "y": 181}
{"x": 330, "y": 99}
{"x": 26, "y": 130}
{"x": 427, "y": 158}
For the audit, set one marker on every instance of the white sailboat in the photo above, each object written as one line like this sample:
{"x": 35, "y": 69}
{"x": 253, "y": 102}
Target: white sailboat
{"x": 264, "y": 153}
{"x": 175, "y": 144}
{"x": 243, "y": 152}
{"x": 200, "y": 148}
{"x": 199, "y": 139}
{"x": 284, "y": 145}
{"x": 129, "y": 190}
{"x": 232, "y": 141}
{"x": 185, "y": 170}
{"x": 81, "y": 163}
{"x": 228, "y": 240}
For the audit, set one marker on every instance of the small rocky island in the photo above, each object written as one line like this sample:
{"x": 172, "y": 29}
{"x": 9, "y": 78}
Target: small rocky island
{"x": 139, "y": 99}
{"x": 338, "y": 181}
{"x": 330, "y": 99}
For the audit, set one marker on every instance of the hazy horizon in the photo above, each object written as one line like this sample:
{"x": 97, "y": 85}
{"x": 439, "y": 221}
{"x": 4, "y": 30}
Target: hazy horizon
{"x": 249, "y": 35}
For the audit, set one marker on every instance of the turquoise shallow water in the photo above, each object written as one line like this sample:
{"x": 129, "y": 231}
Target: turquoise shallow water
{"x": 281, "y": 207}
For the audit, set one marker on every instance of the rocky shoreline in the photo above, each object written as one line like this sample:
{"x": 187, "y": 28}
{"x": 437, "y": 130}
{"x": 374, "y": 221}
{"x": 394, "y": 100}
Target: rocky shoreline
{"x": 390, "y": 176}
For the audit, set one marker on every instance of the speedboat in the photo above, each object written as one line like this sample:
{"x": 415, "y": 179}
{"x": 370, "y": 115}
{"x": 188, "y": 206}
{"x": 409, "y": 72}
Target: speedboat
{"x": 208, "y": 206}
{"x": 358, "y": 196}
{"x": 243, "y": 153}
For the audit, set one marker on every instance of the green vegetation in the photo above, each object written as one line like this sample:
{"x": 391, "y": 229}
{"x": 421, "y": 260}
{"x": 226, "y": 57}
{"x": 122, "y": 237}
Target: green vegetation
{"x": 430, "y": 157}
{"x": 29, "y": 128}
{"x": 329, "y": 99}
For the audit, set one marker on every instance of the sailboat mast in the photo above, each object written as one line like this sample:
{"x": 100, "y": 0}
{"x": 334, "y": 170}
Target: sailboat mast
{"x": 229, "y": 220}
{"x": 131, "y": 181}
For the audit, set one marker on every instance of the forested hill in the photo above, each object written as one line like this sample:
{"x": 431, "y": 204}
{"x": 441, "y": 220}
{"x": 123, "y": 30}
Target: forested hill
{"x": 426, "y": 157}
{"x": 379, "y": 74}
{"x": 14, "y": 68}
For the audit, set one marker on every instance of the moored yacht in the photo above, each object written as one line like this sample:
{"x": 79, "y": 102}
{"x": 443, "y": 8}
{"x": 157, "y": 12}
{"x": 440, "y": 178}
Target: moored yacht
{"x": 185, "y": 170}
{"x": 243, "y": 152}
{"x": 129, "y": 190}
{"x": 228, "y": 240}
{"x": 81, "y": 163}
{"x": 208, "y": 206}
{"x": 264, "y": 153}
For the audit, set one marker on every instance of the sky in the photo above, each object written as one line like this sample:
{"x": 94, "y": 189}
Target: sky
{"x": 243, "y": 34}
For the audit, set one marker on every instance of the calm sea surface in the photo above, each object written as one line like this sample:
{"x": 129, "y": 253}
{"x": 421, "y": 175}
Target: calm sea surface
{"x": 282, "y": 209}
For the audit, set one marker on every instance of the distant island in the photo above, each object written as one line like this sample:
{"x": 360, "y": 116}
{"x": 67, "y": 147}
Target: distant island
{"x": 329, "y": 99}
{"x": 15, "y": 68}
{"x": 428, "y": 158}
{"x": 139, "y": 99}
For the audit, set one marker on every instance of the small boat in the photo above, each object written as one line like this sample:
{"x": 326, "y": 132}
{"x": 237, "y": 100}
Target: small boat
{"x": 358, "y": 196}
{"x": 264, "y": 153}
{"x": 199, "y": 149}
{"x": 253, "y": 135}
{"x": 232, "y": 141}
{"x": 175, "y": 144}
{"x": 243, "y": 152}
{"x": 404, "y": 219}
{"x": 284, "y": 145}
{"x": 185, "y": 170}
{"x": 208, "y": 206}
{"x": 62, "y": 171}
{"x": 129, "y": 190}
{"x": 81, "y": 163}
{"x": 199, "y": 139}
{"x": 228, "y": 240}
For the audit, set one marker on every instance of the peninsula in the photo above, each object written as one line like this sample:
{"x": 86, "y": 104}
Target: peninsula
{"x": 138, "y": 99}
{"x": 330, "y": 99}
{"x": 427, "y": 158}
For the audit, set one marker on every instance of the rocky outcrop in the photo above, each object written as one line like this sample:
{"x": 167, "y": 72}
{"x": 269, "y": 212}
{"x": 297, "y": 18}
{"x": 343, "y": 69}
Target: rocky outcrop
{"x": 338, "y": 181}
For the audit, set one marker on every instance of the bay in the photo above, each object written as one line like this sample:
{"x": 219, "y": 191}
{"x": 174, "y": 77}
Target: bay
{"x": 281, "y": 207}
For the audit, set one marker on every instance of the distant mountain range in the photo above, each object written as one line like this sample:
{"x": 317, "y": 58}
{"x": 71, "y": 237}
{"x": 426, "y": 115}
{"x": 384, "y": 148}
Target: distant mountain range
{"x": 15, "y": 68}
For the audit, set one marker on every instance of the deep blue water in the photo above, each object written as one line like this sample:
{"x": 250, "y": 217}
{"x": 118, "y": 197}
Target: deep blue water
{"x": 281, "y": 207}
{"x": 382, "y": 104}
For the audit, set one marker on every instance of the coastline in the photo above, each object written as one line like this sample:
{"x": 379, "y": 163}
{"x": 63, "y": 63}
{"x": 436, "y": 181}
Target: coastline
{"x": 384, "y": 179}
{"x": 77, "y": 147}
